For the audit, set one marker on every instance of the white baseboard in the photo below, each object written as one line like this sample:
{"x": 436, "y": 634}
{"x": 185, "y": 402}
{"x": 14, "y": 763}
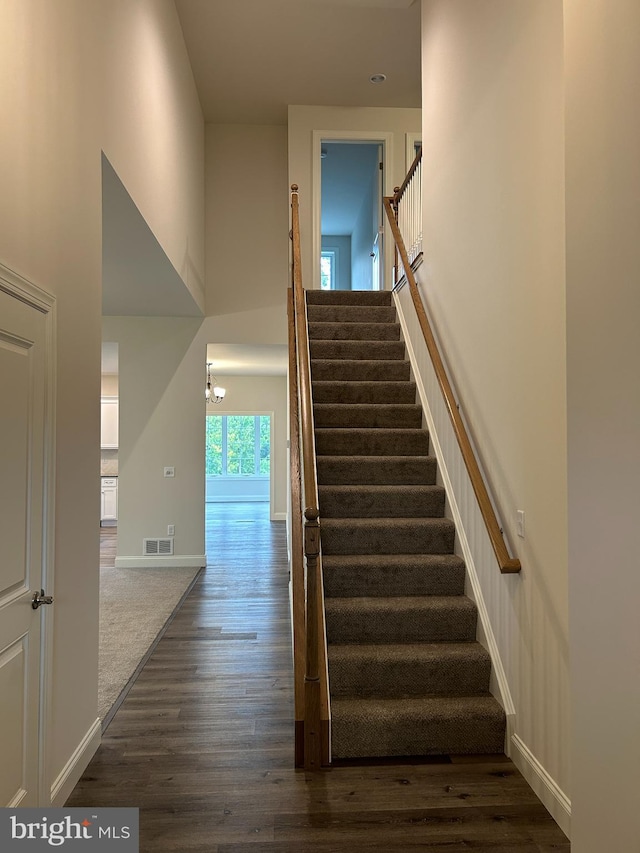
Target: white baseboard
{"x": 546, "y": 788}
{"x": 70, "y": 774}
{"x": 178, "y": 561}
{"x": 279, "y": 516}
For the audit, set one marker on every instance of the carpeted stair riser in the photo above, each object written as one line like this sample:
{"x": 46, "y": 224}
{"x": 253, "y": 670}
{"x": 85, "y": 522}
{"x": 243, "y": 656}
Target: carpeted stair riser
{"x": 377, "y": 501}
{"x": 406, "y": 619}
{"x": 348, "y": 297}
{"x": 377, "y": 470}
{"x": 373, "y": 575}
{"x": 389, "y": 415}
{"x": 416, "y": 726}
{"x": 351, "y": 314}
{"x": 387, "y": 536}
{"x": 407, "y": 676}
{"x": 372, "y": 442}
{"x": 368, "y": 393}
{"x": 369, "y": 370}
{"x": 409, "y": 669}
{"x": 354, "y": 331}
{"x": 359, "y": 350}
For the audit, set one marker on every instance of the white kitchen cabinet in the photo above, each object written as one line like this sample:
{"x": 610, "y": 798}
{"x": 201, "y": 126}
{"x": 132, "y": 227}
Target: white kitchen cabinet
{"x": 109, "y": 423}
{"x": 109, "y": 500}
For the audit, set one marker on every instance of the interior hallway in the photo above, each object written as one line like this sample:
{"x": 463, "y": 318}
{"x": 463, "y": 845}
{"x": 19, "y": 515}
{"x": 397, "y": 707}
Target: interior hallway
{"x": 203, "y": 743}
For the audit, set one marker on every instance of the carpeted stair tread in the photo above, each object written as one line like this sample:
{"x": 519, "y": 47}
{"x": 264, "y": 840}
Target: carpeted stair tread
{"x": 387, "y": 535}
{"x": 401, "y": 619}
{"x": 354, "y": 331}
{"x": 357, "y": 350}
{"x": 364, "y": 501}
{"x": 391, "y": 415}
{"x": 441, "y": 725}
{"x": 370, "y": 393}
{"x": 363, "y": 370}
{"x": 407, "y": 675}
{"x": 359, "y": 441}
{"x": 351, "y": 313}
{"x": 348, "y": 297}
{"x": 369, "y": 575}
{"x": 408, "y": 669}
{"x": 377, "y": 470}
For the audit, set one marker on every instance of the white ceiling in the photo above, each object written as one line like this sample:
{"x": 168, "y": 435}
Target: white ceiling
{"x": 252, "y": 58}
{"x": 243, "y": 359}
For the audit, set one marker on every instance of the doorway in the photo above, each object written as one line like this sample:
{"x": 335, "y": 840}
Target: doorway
{"x": 351, "y": 215}
{"x": 362, "y": 152}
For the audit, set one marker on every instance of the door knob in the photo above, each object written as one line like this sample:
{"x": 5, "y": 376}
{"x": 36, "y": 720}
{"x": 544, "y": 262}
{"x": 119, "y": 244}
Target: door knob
{"x": 40, "y": 598}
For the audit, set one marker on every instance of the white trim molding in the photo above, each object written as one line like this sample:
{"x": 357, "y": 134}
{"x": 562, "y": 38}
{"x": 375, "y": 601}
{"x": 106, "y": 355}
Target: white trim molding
{"x": 546, "y": 788}
{"x": 70, "y": 774}
{"x": 179, "y": 561}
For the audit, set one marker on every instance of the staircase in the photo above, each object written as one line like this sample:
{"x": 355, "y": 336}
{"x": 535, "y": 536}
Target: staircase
{"x": 406, "y": 674}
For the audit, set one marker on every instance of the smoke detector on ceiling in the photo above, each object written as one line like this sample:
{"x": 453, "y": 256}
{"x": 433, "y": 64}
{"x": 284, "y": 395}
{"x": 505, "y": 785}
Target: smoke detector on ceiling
{"x": 377, "y": 78}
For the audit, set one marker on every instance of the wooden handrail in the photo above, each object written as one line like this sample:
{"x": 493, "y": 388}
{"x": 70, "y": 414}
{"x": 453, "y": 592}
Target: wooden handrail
{"x": 316, "y": 711}
{"x": 506, "y": 563}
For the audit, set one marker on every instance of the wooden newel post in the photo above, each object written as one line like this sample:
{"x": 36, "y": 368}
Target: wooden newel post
{"x": 312, "y": 701}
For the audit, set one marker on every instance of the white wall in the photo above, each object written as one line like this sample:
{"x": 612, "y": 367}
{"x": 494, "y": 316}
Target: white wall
{"x": 603, "y": 357}
{"x": 262, "y": 395}
{"x": 76, "y": 77}
{"x": 304, "y": 121}
{"x": 342, "y": 245}
{"x": 493, "y": 211}
{"x": 161, "y": 404}
{"x": 247, "y": 242}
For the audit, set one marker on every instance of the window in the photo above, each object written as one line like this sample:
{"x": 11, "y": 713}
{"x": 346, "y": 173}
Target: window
{"x": 328, "y": 269}
{"x": 238, "y": 445}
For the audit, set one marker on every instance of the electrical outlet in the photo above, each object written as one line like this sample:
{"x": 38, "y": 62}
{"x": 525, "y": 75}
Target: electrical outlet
{"x": 520, "y": 523}
{"x": 171, "y": 530}
{"x": 170, "y": 471}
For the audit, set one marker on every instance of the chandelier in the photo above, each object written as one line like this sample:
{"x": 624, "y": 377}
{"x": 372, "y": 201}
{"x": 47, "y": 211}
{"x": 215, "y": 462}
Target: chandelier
{"x": 213, "y": 393}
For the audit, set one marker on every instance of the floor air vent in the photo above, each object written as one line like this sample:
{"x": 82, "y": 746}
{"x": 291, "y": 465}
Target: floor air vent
{"x": 157, "y": 547}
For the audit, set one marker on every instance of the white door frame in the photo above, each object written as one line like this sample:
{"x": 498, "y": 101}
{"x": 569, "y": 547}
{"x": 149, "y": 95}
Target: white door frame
{"x": 318, "y": 137}
{"x": 20, "y": 288}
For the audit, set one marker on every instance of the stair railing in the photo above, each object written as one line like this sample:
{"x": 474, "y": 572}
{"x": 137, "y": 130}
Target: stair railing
{"x": 408, "y": 209}
{"x": 309, "y": 634}
{"x": 409, "y": 197}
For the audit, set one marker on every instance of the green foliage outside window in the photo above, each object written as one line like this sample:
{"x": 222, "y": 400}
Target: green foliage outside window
{"x": 214, "y": 445}
{"x": 265, "y": 444}
{"x": 237, "y": 445}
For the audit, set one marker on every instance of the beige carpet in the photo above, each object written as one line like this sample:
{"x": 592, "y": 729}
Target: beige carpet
{"x": 135, "y": 605}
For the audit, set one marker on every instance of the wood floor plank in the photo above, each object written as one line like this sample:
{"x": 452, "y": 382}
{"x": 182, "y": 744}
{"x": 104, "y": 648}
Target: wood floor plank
{"x": 203, "y": 743}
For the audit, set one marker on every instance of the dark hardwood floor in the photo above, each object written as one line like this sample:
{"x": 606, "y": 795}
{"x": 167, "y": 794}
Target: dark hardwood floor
{"x": 203, "y": 743}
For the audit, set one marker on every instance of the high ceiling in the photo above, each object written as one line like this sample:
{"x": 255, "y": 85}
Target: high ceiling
{"x": 251, "y": 58}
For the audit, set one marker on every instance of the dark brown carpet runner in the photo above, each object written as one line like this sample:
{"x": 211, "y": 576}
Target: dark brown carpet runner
{"x": 407, "y": 676}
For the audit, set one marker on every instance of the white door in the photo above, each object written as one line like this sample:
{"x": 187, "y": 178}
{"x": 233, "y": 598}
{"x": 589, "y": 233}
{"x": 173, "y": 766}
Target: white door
{"x": 23, "y": 371}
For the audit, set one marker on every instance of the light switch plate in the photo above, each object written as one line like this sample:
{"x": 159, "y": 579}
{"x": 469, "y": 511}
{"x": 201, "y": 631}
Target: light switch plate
{"x": 170, "y": 471}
